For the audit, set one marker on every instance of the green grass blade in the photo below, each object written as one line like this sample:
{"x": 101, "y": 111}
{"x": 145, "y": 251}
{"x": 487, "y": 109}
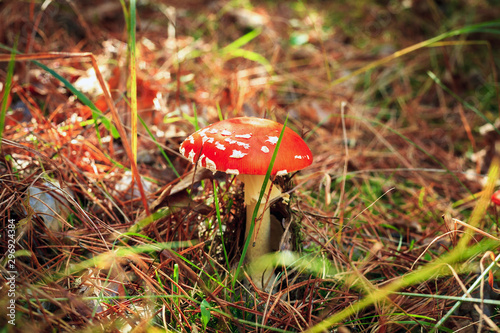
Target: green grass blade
{"x": 252, "y": 56}
{"x": 425, "y": 273}
{"x": 240, "y": 42}
{"x": 458, "y": 298}
{"x": 133, "y": 77}
{"x": 104, "y": 259}
{"x": 175, "y": 289}
{"x": 205, "y": 313}
{"x": 261, "y": 195}
{"x": 235, "y": 50}
{"x": 96, "y": 113}
{"x": 481, "y": 27}
{"x": 219, "y": 112}
{"x": 126, "y": 14}
{"x": 461, "y": 100}
{"x": 6, "y": 90}
{"x": 160, "y": 148}
{"x": 195, "y": 115}
{"x": 219, "y": 221}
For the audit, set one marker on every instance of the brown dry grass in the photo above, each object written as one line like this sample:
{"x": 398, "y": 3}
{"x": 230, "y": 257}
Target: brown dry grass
{"x": 369, "y": 211}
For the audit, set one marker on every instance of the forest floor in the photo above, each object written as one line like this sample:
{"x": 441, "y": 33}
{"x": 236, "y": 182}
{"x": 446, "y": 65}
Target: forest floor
{"x": 390, "y": 229}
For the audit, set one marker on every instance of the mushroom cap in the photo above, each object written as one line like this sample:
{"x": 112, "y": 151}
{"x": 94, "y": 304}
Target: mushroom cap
{"x": 495, "y": 198}
{"x": 246, "y": 145}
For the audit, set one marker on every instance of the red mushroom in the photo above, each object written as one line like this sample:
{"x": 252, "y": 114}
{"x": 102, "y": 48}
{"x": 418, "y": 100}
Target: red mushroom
{"x": 495, "y": 198}
{"x": 244, "y": 147}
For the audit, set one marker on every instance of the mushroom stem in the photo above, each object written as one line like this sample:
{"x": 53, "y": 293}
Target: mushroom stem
{"x": 261, "y": 238}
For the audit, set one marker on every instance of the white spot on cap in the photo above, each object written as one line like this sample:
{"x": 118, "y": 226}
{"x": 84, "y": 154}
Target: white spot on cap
{"x": 182, "y": 150}
{"x": 281, "y": 173}
{"x": 264, "y": 149}
{"x": 239, "y": 143}
{"x": 220, "y": 146}
{"x": 272, "y": 139}
{"x": 233, "y": 171}
{"x": 191, "y": 155}
{"x": 299, "y": 157}
{"x": 237, "y": 154}
{"x": 242, "y": 144}
{"x": 225, "y": 132}
{"x": 213, "y": 131}
{"x": 243, "y": 136}
{"x": 207, "y": 139}
{"x": 191, "y": 140}
{"x": 200, "y": 160}
{"x": 210, "y": 165}
{"x": 203, "y": 133}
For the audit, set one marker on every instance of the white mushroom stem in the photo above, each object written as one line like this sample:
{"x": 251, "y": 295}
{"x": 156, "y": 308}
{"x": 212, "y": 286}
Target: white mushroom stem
{"x": 260, "y": 240}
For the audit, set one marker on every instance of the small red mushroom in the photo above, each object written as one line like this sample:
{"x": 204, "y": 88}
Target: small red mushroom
{"x": 244, "y": 147}
{"x": 495, "y": 198}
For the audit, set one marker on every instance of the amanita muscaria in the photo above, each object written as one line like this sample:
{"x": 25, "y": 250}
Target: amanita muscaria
{"x": 244, "y": 147}
{"x": 495, "y": 198}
